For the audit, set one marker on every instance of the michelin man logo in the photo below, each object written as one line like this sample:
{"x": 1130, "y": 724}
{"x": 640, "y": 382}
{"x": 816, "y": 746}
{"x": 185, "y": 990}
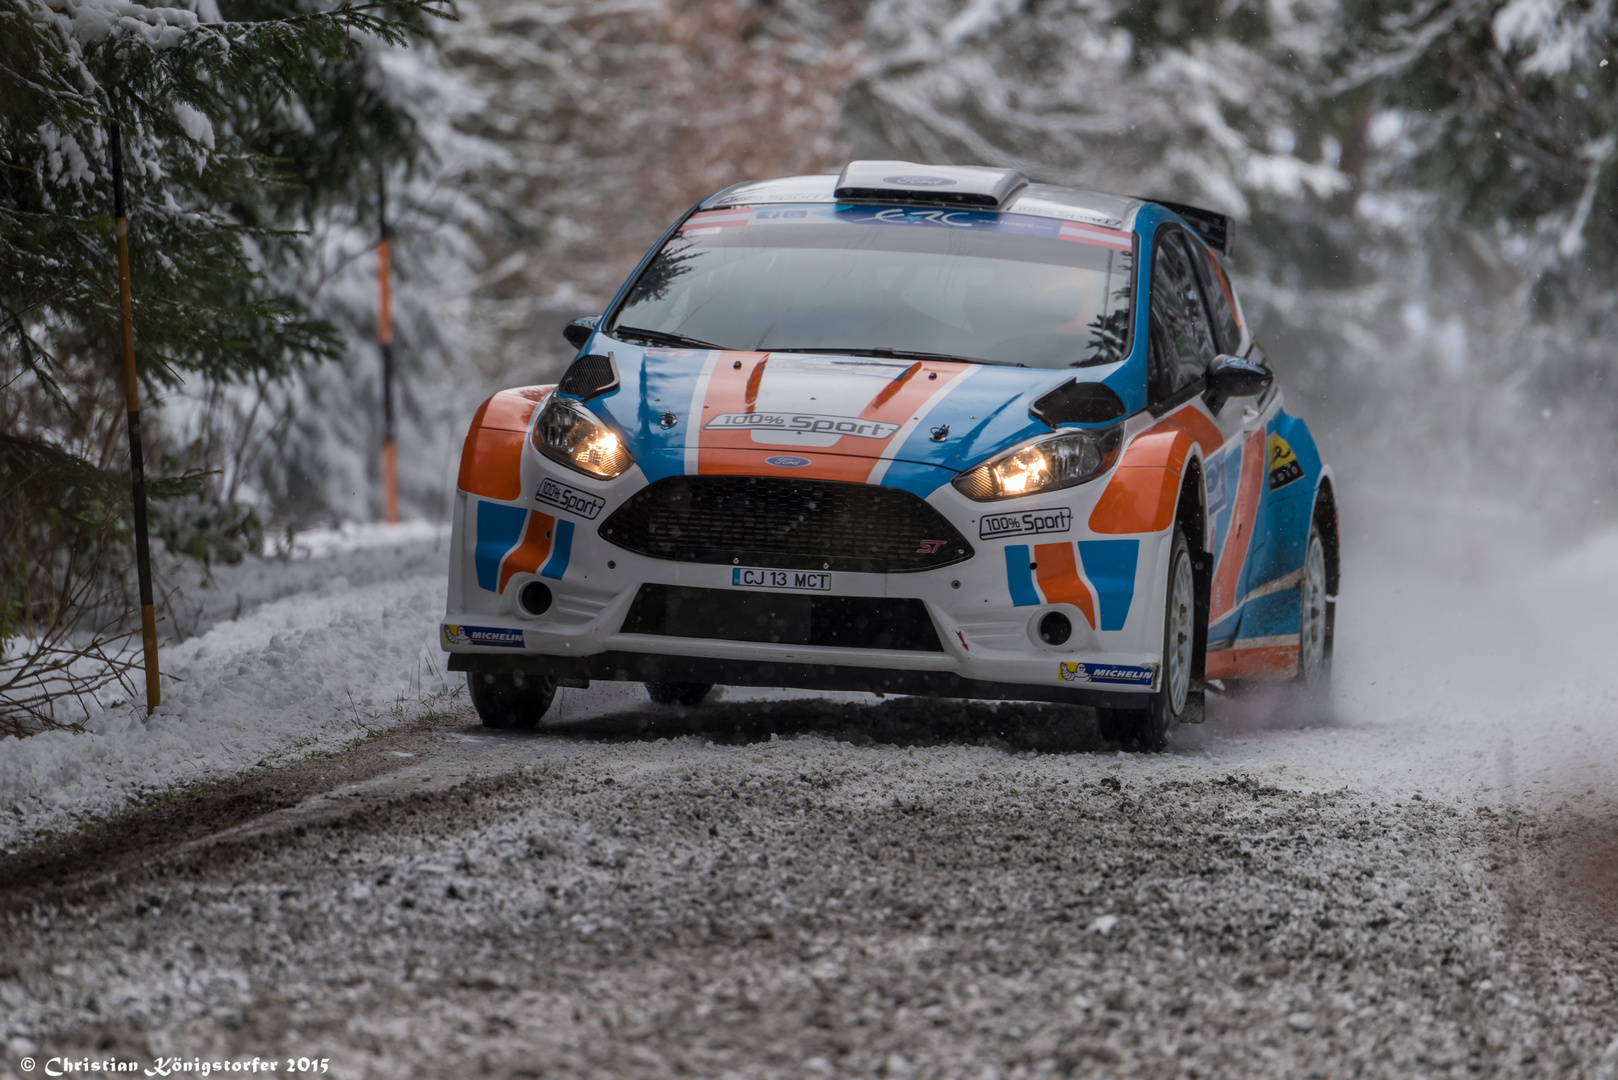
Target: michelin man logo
{"x": 1124, "y": 674}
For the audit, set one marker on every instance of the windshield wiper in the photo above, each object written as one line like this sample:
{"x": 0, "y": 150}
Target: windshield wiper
{"x": 884, "y": 353}
{"x": 662, "y": 337}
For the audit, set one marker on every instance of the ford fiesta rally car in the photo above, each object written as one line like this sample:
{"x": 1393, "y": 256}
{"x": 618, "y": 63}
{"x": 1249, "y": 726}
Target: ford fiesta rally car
{"x": 908, "y": 429}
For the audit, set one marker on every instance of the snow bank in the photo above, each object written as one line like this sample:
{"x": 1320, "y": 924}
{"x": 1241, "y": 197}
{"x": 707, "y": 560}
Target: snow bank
{"x": 306, "y": 672}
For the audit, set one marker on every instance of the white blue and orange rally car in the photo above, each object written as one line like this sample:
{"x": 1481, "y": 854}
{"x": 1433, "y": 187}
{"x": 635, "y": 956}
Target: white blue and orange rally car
{"x": 908, "y": 429}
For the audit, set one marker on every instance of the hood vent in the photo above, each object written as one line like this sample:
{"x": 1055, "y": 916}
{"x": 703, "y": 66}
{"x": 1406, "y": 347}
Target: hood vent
{"x": 589, "y": 376}
{"x": 1077, "y": 402}
{"x": 936, "y": 185}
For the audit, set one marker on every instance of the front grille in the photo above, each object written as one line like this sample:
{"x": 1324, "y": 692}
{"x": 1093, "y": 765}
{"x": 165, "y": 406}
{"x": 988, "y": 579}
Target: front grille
{"x": 847, "y": 622}
{"x": 785, "y": 522}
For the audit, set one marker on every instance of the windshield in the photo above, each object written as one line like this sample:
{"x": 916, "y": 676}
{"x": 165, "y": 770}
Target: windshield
{"x": 1000, "y": 288}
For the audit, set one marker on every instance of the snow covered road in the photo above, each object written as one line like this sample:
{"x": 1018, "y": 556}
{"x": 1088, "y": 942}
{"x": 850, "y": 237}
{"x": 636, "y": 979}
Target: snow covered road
{"x": 783, "y": 884}
{"x": 336, "y": 642}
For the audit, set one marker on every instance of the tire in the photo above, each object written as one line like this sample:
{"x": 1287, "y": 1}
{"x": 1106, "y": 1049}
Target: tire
{"x": 1178, "y": 697}
{"x": 678, "y": 693}
{"x": 510, "y": 700}
{"x": 1315, "y": 619}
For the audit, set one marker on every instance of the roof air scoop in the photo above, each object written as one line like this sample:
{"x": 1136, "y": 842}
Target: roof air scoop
{"x": 935, "y": 185}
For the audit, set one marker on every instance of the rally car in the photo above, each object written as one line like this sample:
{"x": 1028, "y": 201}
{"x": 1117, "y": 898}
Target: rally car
{"x": 908, "y": 429}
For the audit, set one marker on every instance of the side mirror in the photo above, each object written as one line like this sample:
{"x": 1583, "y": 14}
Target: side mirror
{"x": 578, "y": 331}
{"x": 1235, "y": 376}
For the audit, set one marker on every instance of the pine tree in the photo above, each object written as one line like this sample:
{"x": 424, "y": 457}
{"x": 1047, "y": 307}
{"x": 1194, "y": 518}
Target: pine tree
{"x": 208, "y": 100}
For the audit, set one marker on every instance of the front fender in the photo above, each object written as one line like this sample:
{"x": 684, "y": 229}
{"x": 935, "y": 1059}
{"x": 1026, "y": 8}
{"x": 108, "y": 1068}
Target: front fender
{"x": 1144, "y": 490}
{"x": 491, "y": 456}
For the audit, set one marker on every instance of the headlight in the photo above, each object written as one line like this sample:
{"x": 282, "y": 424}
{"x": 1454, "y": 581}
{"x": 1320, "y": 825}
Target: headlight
{"x": 568, "y": 433}
{"x": 1055, "y": 461}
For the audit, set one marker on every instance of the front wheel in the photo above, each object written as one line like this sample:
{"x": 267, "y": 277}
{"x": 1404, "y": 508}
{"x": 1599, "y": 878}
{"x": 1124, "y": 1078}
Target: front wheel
{"x": 510, "y": 700}
{"x": 1175, "y": 701}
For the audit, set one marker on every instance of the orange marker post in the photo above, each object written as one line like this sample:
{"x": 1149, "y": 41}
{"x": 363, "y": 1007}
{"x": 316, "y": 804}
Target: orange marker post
{"x": 137, "y": 468}
{"x": 384, "y": 334}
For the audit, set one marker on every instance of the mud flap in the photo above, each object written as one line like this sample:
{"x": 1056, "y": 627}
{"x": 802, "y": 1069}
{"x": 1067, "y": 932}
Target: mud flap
{"x": 1195, "y": 703}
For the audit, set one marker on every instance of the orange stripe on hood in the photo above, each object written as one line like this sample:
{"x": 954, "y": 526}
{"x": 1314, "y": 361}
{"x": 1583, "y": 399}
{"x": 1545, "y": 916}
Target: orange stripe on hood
{"x": 734, "y": 452}
{"x": 754, "y": 380}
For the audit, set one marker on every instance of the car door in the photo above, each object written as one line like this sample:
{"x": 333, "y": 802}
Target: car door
{"x": 1186, "y": 335}
{"x": 1262, "y": 621}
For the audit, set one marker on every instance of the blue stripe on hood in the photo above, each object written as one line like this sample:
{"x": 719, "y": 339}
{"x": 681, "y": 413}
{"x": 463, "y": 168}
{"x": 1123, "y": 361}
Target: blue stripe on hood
{"x": 986, "y": 414}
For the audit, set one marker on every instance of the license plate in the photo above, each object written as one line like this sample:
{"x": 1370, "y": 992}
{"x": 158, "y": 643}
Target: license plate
{"x": 749, "y": 577}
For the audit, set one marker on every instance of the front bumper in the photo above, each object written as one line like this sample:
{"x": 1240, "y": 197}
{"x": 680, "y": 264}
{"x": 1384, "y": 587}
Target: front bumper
{"x": 985, "y": 611}
{"x": 662, "y": 667}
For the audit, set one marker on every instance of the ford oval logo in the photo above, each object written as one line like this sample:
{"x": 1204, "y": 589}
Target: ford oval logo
{"x": 918, "y": 181}
{"x": 787, "y": 461}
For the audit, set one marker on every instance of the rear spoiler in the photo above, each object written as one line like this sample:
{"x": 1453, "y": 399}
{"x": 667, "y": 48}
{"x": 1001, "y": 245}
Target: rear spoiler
{"x": 1216, "y": 229}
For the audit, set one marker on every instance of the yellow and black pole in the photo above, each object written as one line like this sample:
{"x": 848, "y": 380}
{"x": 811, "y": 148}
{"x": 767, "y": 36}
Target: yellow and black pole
{"x": 384, "y": 336}
{"x": 137, "y": 469}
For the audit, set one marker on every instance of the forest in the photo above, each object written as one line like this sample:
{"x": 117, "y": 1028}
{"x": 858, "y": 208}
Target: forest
{"x": 1424, "y": 194}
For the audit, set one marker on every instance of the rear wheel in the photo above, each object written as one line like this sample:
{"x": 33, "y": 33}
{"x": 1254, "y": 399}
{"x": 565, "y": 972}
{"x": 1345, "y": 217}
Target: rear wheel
{"x": 510, "y": 700}
{"x": 1314, "y": 638}
{"x": 1175, "y": 700}
{"x": 678, "y": 693}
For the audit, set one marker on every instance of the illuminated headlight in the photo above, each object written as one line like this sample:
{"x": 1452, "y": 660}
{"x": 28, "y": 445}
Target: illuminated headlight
{"x": 1055, "y": 461}
{"x": 568, "y": 433}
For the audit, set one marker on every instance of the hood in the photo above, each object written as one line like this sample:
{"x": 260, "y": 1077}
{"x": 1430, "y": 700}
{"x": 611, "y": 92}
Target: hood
{"x": 836, "y": 417}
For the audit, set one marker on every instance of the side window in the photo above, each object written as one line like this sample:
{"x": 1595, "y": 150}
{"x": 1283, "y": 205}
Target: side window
{"x": 1221, "y": 305}
{"x": 1178, "y": 313}
{"x": 1160, "y": 366}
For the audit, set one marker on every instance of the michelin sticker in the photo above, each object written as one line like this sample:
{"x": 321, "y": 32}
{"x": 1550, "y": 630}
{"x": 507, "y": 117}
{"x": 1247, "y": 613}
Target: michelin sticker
{"x": 562, "y": 497}
{"x": 1026, "y": 523}
{"x": 1116, "y": 674}
{"x": 1284, "y": 467}
{"x": 456, "y": 634}
{"x": 802, "y": 424}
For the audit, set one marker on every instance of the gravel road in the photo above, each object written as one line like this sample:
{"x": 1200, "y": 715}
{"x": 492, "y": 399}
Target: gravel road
{"x": 826, "y": 890}
{"x": 801, "y": 886}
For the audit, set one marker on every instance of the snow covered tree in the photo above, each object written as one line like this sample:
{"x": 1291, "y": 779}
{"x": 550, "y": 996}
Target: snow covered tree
{"x": 231, "y": 117}
{"x": 1425, "y": 190}
{"x": 616, "y": 117}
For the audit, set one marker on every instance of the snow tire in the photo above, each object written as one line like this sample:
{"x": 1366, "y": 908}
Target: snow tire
{"x": 1178, "y": 698}
{"x": 1314, "y": 619}
{"x": 510, "y": 700}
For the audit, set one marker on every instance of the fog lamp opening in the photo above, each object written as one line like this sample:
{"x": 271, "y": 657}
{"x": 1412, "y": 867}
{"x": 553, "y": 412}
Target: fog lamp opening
{"x": 535, "y": 598}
